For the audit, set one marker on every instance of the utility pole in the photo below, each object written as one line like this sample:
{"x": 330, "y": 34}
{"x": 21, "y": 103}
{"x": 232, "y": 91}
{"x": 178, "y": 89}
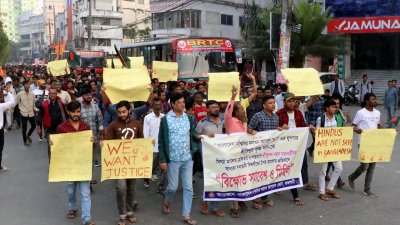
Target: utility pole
{"x": 90, "y": 26}
{"x": 54, "y": 24}
{"x": 285, "y": 36}
{"x": 50, "y": 33}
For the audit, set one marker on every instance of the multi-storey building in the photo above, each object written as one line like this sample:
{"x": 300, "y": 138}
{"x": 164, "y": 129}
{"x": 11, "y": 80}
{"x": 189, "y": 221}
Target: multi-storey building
{"x": 32, "y": 36}
{"x": 137, "y": 17}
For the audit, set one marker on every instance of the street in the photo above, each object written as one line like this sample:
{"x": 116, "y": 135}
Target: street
{"x": 27, "y": 198}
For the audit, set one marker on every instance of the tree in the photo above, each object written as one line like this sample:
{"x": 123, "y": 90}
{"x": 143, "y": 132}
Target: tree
{"x": 311, "y": 41}
{"x": 3, "y": 45}
{"x": 251, "y": 23}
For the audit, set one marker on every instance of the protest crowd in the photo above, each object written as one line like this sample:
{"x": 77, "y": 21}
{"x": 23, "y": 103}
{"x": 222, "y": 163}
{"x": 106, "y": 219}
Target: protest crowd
{"x": 177, "y": 116}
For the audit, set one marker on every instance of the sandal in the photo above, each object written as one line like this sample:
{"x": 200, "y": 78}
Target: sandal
{"x": 298, "y": 202}
{"x": 323, "y": 197}
{"x": 165, "y": 207}
{"x": 3, "y": 169}
{"x": 234, "y": 213}
{"x": 242, "y": 206}
{"x": 268, "y": 202}
{"x": 189, "y": 221}
{"x": 132, "y": 218}
{"x": 71, "y": 214}
{"x": 332, "y": 194}
{"x": 204, "y": 208}
{"x": 257, "y": 204}
{"x": 89, "y": 223}
{"x": 121, "y": 222}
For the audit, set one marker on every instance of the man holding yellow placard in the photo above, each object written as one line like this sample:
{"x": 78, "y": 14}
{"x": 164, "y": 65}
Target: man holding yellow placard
{"x": 366, "y": 118}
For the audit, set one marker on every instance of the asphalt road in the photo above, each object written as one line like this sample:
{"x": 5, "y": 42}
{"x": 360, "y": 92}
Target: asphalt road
{"x": 26, "y": 198}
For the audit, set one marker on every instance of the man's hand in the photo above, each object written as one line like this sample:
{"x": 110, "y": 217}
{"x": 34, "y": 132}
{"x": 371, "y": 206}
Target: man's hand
{"x": 312, "y": 128}
{"x": 50, "y": 142}
{"x": 163, "y": 166}
{"x": 101, "y": 144}
{"x": 358, "y": 131}
{"x": 210, "y": 134}
{"x": 153, "y": 142}
{"x": 285, "y": 127}
{"x": 234, "y": 91}
{"x": 92, "y": 139}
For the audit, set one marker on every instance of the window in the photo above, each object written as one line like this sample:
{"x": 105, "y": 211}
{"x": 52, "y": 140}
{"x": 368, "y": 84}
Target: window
{"x": 241, "y": 21}
{"x": 141, "y": 2}
{"x": 226, "y": 19}
{"x": 102, "y": 42}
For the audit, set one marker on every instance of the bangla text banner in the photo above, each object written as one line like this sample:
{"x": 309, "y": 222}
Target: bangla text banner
{"x": 245, "y": 167}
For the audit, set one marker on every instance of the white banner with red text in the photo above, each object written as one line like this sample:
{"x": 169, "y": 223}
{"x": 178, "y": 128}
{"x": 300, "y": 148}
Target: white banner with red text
{"x": 245, "y": 167}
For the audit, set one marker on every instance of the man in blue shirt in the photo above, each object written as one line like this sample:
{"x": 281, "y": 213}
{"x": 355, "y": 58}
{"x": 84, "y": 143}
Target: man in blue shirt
{"x": 391, "y": 101}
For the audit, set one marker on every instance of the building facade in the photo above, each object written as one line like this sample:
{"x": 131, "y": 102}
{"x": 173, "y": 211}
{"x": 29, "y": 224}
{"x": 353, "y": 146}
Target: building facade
{"x": 136, "y": 21}
{"x": 373, "y": 30}
{"x": 32, "y": 33}
{"x": 106, "y": 24}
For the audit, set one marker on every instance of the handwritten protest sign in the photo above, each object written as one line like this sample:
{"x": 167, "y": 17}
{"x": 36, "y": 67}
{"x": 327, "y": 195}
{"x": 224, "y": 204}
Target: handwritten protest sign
{"x": 220, "y": 86}
{"x": 126, "y": 84}
{"x": 136, "y": 61}
{"x": 117, "y": 63}
{"x": 245, "y": 167}
{"x": 165, "y": 71}
{"x": 58, "y": 68}
{"x": 376, "y": 145}
{"x": 303, "y": 82}
{"x": 71, "y": 160}
{"x": 333, "y": 144}
{"x": 126, "y": 159}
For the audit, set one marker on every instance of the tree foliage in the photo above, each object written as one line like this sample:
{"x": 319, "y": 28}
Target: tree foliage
{"x": 3, "y": 45}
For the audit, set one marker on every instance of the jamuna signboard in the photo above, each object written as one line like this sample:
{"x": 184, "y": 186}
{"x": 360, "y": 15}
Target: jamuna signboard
{"x": 192, "y": 45}
{"x": 386, "y": 24}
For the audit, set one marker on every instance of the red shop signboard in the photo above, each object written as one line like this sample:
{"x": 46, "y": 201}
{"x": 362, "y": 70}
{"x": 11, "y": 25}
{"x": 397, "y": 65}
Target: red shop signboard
{"x": 384, "y": 24}
{"x": 193, "y": 45}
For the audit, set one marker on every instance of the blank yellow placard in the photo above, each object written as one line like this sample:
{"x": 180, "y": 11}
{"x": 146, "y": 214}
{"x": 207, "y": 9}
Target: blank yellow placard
{"x": 127, "y": 159}
{"x": 376, "y": 145}
{"x": 57, "y": 68}
{"x": 303, "y": 81}
{"x": 165, "y": 71}
{"x": 117, "y": 63}
{"x": 71, "y": 157}
{"x": 126, "y": 84}
{"x": 333, "y": 144}
{"x": 136, "y": 61}
{"x": 220, "y": 86}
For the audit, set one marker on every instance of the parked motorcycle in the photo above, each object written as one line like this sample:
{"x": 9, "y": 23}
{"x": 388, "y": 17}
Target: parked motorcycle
{"x": 351, "y": 94}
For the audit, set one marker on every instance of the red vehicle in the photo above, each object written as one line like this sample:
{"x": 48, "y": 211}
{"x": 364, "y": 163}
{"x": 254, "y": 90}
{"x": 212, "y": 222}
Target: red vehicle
{"x": 195, "y": 56}
{"x": 91, "y": 60}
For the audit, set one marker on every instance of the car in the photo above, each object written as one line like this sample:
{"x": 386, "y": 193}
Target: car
{"x": 326, "y": 78}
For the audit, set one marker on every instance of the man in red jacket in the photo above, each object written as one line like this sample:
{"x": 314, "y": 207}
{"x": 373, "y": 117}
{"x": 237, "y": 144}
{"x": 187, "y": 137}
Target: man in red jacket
{"x": 52, "y": 113}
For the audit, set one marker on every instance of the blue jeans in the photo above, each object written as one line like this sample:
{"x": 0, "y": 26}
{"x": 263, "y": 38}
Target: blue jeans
{"x": 84, "y": 188}
{"x": 185, "y": 170}
{"x": 391, "y": 112}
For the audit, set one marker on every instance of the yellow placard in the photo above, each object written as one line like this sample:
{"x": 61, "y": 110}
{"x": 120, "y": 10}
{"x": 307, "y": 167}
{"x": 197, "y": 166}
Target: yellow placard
{"x": 136, "y": 61}
{"x": 376, "y": 145}
{"x": 71, "y": 160}
{"x": 165, "y": 71}
{"x": 333, "y": 144}
{"x": 117, "y": 63}
{"x": 303, "y": 81}
{"x": 58, "y": 68}
{"x": 220, "y": 86}
{"x": 127, "y": 159}
{"x": 126, "y": 84}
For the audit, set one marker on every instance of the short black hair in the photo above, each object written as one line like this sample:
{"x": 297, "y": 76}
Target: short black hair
{"x": 327, "y": 90}
{"x": 335, "y": 97}
{"x": 175, "y": 98}
{"x": 123, "y": 103}
{"x": 24, "y": 82}
{"x": 154, "y": 80}
{"x": 328, "y": 103}
{"x": 260, "y": 89}
{"x": 199, "y": 93}
{"x": 365, "y": 75}
{"x": 156, "y": 99}
{"x": 189, "y": 103}
{"x": 284, "y": 87}
{"x": 211, "y": 102}
{"x": 367, "y": 96}
{"x": 73, "y": 105}
{"x": 266, "y": 98}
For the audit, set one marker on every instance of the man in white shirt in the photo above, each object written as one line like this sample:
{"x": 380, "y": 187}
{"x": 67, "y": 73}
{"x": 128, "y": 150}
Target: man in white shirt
{"x": 7, "y": 100}
{"x": 365, "y": 87}
{"x": 337, "y": 89}
{"x": 280, "y": 97}
{"x": 65, "y": 97}
{"x": 151, "y": 127}
{"x": 366, "y": 118}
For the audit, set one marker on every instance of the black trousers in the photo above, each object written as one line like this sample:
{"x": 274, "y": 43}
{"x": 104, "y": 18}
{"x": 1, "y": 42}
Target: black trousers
{"x": 1, "y": 144}
{"x": 17, "y": 115}
{"x": 24, "y": 121}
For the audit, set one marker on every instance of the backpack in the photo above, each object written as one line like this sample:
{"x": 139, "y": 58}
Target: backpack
{"x": 323, "y": 119}
{"x": 38, "y": 103}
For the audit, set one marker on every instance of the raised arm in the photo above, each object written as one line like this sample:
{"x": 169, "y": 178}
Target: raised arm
{"x": 254, "y": 92}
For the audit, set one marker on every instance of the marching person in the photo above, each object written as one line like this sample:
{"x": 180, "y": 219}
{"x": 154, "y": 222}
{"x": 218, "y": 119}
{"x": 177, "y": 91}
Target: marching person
{"x": 329, "y": 119}
{"x": 176, "y": 147}
{"x": 337, "y": 89}
{"x": 26, "y": 104}
{"x": 6, "y": 101}
{"x": 75, "y": 124}
{"x": 365, "y": 87}
{"x": 40, "y": 95}
{"x": 124, "y": 127}
{"x": 366, "y": 118}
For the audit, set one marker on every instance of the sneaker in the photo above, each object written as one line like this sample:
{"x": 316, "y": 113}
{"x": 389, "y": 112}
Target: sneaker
{"x": 40, "y": 140}
{"x": 154, "y": 178}
{"x": 18, "y": 126}
{"x": 340, "y": 184}
{"x": 96, "y": 163}
{"x": 147, "y": 184}
{"x": 29, "y": 139}
{"x": 9, "y": 128}
{"x": 351, "y": 183}
{"x": 370, "y": 194}
{"x": 3, "y": 169}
